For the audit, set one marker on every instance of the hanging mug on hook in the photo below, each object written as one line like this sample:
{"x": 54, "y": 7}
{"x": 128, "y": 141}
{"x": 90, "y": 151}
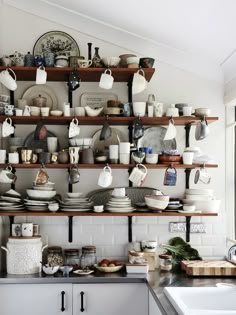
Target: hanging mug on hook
{"x": 105, "y": 177}
{"x": 170, "y": 176}
{"x": 74, "y": 129}
{"x": 138, "y": 174}
{"x": 74, "y": 175}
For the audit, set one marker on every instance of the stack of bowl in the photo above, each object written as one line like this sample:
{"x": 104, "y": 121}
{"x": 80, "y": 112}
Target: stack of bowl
{"x": 202, "y": 199}
{"x": 157, "y": 202}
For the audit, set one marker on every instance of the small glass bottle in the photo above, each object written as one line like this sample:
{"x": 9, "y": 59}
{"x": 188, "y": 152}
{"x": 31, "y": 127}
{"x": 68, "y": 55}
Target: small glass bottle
{"x": 55, "y": 256}
{"x": 97, "y": 61}
{"x": 71, "y": 258}
{"x": 88, "y": 258}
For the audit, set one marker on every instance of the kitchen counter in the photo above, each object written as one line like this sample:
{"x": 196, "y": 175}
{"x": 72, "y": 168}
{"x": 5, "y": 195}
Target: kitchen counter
{"x": 157, "y": 281}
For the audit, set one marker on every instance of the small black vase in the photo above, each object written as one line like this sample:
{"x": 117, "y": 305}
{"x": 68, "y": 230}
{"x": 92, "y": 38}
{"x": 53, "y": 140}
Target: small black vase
{"x": 97, "y": 61}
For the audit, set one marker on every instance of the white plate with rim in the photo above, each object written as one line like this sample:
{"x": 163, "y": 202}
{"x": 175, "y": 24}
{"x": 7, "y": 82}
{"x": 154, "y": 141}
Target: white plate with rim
{"x": 83, "y": 272}
{"x": 43, "y": 90}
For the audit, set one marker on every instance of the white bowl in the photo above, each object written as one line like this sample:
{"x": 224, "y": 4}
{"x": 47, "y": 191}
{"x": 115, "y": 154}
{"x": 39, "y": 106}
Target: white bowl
{"x": 74, "y": 194}
{"x": 111, "y": 61}
{"x": 151, "y": 158}
{"x": 53, "y": 206}
{"x": 212, "y": 206}
{"x": 199, "y": 112}
{"x": 50, "y": 270}
{"x": 149, "y": 246}
{"x": 199, "y": 197}
{"x": 189, "y": 208}
{"x": 208, "y": 192}
{"x": 41, "y": 194}
{"x": 108, "y": 269}
{"x": 155, "y": 204}
{"x": 56, "y": 113}
{"x": 93, "y": 112}
{"x": 132, "y": 59}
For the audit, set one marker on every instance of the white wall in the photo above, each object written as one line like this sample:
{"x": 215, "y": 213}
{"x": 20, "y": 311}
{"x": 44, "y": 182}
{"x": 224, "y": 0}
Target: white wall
{"x": 170, "y": 85}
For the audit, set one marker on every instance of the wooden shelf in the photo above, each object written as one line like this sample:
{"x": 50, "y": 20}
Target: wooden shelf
{"x": 125, "y": 121}
{"x": 86, "y": 74}
{"x": 104, "y": 214}
{"x": 113, "y": 166}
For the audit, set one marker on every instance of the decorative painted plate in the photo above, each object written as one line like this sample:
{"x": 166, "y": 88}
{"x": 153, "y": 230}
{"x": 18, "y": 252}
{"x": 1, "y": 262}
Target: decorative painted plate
{"x": 58, "y": 42}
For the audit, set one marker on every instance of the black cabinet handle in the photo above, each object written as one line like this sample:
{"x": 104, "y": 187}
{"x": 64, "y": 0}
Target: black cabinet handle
{"x": 82, "y": 301}
{"x": 63, "y": 301}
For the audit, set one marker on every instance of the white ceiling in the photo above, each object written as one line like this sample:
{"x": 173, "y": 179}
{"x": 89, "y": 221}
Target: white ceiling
{"x": 197, "y": 29}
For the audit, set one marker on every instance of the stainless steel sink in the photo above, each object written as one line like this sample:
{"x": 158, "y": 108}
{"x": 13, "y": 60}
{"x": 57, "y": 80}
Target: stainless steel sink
{"x": 203, "y": 300}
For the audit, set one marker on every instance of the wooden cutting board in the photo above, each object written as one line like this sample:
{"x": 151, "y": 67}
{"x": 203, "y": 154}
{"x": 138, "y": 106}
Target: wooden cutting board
{"x": 209, "y": 268}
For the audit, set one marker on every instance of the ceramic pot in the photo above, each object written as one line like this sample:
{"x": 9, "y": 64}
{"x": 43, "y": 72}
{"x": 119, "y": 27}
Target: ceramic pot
{"x": 63, "y": 157}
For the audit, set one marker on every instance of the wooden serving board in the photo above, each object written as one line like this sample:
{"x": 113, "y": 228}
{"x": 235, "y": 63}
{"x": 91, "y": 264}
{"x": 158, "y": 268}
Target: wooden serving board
{"x": 209, "y": 268}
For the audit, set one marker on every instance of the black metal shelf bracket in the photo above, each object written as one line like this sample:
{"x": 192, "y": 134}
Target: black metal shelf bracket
{"x": 11, "y": 220}
{"x": 70, "y": 230}
{"x": 187, "y": 128}
{"x": 188, "y": 219}
{"x": 187, "y": 177}
{"x": 130, "y": 234}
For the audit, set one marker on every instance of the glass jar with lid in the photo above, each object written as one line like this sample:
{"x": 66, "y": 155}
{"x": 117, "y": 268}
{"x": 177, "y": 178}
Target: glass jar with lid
{"x": 88, "y": 258}
{"x": 71, "y": 257}
{"x": 55, "y": 256}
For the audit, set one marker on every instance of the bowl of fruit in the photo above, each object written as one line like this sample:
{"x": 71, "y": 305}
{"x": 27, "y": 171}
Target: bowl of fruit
{"x": 106, "y": 265}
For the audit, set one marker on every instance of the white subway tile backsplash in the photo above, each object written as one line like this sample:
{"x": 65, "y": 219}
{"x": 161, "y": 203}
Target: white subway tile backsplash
{"x": 92, "y": 229}
{"x": 102, "y": 220}
{"x": 213, "y": 240}
{"x": 145, "y": 220}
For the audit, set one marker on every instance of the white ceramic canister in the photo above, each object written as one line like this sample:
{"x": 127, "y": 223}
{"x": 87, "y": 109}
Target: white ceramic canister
{"x": 24, "y": 256}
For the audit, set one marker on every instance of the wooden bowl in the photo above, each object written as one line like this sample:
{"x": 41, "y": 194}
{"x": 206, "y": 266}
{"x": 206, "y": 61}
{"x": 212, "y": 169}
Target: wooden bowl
{"x": 170, "y": 159}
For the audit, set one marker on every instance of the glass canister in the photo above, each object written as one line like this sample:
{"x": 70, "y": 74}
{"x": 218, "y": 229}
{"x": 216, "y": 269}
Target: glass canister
{"x": 71, "y": 258}
{"x": 88, "y": 258}
{"x": 165, "y": 262}
{"x": 55, "y": 256}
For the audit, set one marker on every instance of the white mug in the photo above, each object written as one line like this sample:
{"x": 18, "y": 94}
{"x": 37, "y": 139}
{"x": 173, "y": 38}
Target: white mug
{"x": 26, "y": 111}
{"x": 7, "y": 80}
{"x": 158, "y": 109}
{"x": 74, "y": 129}
{"x": 187, "y": 110}
{"x": 44, "y": 111}
{"x": 7, "y": 128}
{"x": 203, "y": 176}
{"x": 16, "y": 229}
{"x": 139, "y": 82}
{"x": 113, "y": 151}
{"x": 139, "y": 109}
{"x": 124, "y": 147}
{"x": 106, "y": 80}
{"x": 52, "y": 144}
{"x": 7, "y": 177}
{"x": 82, "y": 63}
{"x": 74, "y": 155}
{"x": 27, "y": 229}
{"x": 105, "y": 177}
{"x": 41, "y": 75}
{"x": 138, "y": 174}
{"x": 13, "y": 158}
{"x": 188, "y": 158}
{"x": 3, "y": 155}
{"x": 19, "y": 112}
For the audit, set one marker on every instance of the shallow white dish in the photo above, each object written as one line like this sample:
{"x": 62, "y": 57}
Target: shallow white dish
{"x": 44, "y": 91}
{"x": 83, "y": 272}
{"x": 50, "y": 270}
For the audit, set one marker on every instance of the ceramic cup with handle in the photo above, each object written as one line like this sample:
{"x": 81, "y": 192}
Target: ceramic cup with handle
{"x": 106, "y": 80}
{"x": 105, "y": 177}
{"x": 139, "y": 82}
{"x": 41, "y": 75}
{"x": 74, "y": 155}
{"x": 84, "y": 63}
{"x": 202, "y": 175}
{"x": 7, "y": 177}
{"x": 52, "y": 144}
{"x": 7, "y": 80}
{"x": 7, "y": 127}
{"x": 138, "y": 174}
{"x": 74, "y": 129}
{"x": 74, "y": 175}
{"x": 27, "y": 229}
{"x": 139, "y": 109}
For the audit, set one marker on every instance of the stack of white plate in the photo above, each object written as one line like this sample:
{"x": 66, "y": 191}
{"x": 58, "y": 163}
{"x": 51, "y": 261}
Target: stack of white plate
{"x": 11, "y": 201}
{"x": 119, "y": 204}
{"x": 37, "y": 205}
{"x": 38, "y": 199}
{"x": 203, "y": 199}
{"x": 75, "y": 202}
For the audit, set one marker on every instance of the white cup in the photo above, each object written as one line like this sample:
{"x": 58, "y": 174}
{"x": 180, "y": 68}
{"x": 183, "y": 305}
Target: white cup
{"x": 82, "y": 63}
{"x": 79, "y": 111}
{"x": 106, "y": 80}
{"x": 52, "y": 144}
{"x": 105, "y": 177}
{"x": 139, "y": 109}
{"x": 202, "y": 175}
{"x": 27, "y": 229}
{"x": 124, "y": 158}
{"x": 19, "y": 112}
{"x": 138, "y": 174}
{"x": 35, "y": 111}
{"x": 124, "y": 147}
{"x": 7, "y": 80}
{"x": 16, "y": 229}
{"x": 188, "y": 158}
{"x": 13, "y": 158}
{"x": 158, "y": 109}
{"x": 118, "y": 192}
{"x": 74, "y": 155}
{"x": 66, "y": 109}
{"x": 3, "y": 155}
{"x": 6, "y": 176}
{"x": 139, "y": 82}
{"x": 44, "y": 111}
{"x": 41, "y": 75}
{"x": 187, "y": 110}
{"x": 150, "y": 110}
{"x": 113, "y": 151}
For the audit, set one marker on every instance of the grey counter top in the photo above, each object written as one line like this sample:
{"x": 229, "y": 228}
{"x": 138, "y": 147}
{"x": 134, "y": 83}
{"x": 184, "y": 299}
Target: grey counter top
{"x": 156, "y": 280}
